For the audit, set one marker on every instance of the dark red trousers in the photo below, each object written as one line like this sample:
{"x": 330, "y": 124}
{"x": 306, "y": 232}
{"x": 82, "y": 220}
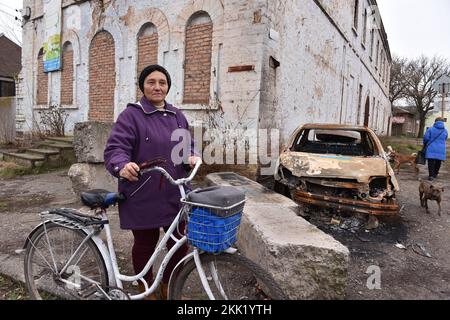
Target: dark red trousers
{"x": 144, "y": 246}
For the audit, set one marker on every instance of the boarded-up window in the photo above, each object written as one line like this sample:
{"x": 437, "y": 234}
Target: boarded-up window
{"x": 197, "y": 65}
{"x": 147, "y": 51}
{"x": 42, "y": 81}
{"x": 67, "y": 75}
{"x": 102, "y": 77}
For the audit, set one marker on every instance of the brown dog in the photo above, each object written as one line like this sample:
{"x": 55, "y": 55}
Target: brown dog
{"x": 399, "y": 159}
{"x": 429, "y": 192}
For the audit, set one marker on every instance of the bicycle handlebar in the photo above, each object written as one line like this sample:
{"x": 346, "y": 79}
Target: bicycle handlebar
{"x": 169, "y": 177}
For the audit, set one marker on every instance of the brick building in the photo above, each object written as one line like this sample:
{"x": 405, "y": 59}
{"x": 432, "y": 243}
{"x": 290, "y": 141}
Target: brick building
{"x": 234, "y": 63}
{"x": 10, "y": 65}
{"x": 405, "y": 121}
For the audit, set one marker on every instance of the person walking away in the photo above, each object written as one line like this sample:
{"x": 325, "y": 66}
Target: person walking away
{"x": 435, "y": 142}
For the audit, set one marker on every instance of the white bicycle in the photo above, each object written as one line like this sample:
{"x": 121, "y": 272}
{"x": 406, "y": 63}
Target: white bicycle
{"x": 66, "y": 258}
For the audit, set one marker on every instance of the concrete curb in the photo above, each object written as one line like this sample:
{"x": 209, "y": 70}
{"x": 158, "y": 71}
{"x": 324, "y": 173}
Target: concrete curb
{"x": 306, "y": 262}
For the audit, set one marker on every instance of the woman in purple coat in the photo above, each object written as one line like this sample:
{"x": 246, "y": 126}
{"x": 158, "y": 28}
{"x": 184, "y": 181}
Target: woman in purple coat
{"x": 142, "y": 133}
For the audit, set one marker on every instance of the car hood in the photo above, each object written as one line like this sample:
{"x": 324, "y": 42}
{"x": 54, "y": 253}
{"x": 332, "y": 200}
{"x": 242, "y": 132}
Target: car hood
{"x": 335, "y": 166}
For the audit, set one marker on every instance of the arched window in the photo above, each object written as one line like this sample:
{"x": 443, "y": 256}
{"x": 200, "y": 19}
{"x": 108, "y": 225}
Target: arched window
{"x": 147, "y": 41}
{"x": 197, "y": 65}
{"x": 372, "y": 39}
{"x": 41, "y": 81}
{"x": 67, "y": 75}
{"x": 355, "y": 14}
{"x": 102, "y": 77}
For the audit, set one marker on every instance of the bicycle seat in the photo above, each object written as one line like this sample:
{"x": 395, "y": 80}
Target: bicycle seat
{"x": 101, "y": 199}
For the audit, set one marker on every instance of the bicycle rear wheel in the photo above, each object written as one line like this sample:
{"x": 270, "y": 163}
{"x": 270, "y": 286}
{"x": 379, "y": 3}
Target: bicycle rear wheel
{"x": 49, "y": 250}
{"x": 238, "y": 277}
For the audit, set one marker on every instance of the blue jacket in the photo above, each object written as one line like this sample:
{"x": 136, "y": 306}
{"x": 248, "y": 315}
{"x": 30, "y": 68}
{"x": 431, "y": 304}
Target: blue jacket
{"x": 436, "y": 149}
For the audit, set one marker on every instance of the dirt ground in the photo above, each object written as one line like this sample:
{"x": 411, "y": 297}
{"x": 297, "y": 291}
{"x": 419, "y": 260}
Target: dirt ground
{"x": 405, "y": 273}
{"x": 411, "y": 250}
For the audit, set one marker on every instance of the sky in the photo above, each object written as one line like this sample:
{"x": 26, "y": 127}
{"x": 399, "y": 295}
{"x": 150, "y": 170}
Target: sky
{"x": 10, "y": 27}
{"x": 414, "y": 27}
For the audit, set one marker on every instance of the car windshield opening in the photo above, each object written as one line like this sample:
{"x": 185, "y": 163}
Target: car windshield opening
{"x": 338, "y": 142}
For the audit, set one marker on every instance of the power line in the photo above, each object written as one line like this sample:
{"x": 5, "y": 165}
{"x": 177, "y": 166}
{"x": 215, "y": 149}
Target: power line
{"x": 11, "y": 8}
{"x": 7, "y": 13}
{"x": 10, "y": 16}
{"x": 10, "y": 30}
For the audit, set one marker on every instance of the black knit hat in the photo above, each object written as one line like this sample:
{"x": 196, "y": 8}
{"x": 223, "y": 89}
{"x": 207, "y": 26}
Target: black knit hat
{"x": 150, "y": 69}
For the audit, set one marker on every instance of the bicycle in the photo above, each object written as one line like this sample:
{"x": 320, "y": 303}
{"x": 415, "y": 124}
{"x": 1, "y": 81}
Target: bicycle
{"x": 65, "y": 257}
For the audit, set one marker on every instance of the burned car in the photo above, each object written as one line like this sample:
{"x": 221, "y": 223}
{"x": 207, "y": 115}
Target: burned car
{"x": 340, "y": 167}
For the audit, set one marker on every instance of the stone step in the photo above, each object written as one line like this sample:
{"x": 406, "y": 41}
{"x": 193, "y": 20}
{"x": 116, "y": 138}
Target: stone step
{"x": 27, "y": 160}
{"x": 44, "y": 152}
{"x": 67, "y": 139}
{"x": 55, "y": 145}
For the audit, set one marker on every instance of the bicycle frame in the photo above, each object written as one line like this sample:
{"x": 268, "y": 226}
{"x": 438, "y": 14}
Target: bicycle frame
{"x": 108, "y": 253}
{"x": 112, "y": 259}
{"x": 119, "y": 278}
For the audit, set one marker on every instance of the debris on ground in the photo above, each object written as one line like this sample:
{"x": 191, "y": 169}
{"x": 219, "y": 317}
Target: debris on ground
{"x": 372, "y": 223}
{"x": 400, "y": 246}
{"x": 423, "y": 251}
{"x": 352, "y": 224}
{"x": 335, "y": 222}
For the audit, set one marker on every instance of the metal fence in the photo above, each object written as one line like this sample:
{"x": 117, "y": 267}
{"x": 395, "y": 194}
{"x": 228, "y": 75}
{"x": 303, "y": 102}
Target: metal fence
{"x": 7, "y": 119}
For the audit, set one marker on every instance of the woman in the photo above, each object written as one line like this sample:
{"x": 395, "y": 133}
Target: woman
{"x": 434, "y": 140}
{"x": 143, "y": 133}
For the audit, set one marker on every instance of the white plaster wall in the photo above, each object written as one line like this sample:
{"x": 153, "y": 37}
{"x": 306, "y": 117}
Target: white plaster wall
{"x": 321, "y": 69}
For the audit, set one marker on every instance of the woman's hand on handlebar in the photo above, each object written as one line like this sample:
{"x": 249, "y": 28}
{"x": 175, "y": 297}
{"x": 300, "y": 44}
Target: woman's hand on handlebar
{"x": 130, "y": 172}
{"x": 193, "y": 160}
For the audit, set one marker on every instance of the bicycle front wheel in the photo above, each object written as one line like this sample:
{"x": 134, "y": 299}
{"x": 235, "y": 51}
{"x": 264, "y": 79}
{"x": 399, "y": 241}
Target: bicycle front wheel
{"x": 230, "y": 277}
{"x": 59, "y": 266}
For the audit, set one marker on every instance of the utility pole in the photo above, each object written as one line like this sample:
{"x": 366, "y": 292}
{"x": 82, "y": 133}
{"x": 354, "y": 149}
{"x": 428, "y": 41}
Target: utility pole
{"x": 442, "y": 86}
{"x": 443, "y": 92}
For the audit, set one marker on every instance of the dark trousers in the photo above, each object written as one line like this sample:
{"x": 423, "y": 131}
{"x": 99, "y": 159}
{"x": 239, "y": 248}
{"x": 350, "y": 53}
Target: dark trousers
{"x": 433, "y": 167}
{"x": 144, "y": 246}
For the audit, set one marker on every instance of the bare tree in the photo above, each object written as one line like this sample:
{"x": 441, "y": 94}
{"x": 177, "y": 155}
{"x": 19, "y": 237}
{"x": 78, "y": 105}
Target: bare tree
{"x": 420, "y": 76}
{"x": 397, "y": 86}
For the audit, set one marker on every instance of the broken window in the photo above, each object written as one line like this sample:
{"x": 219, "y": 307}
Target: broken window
{"x": 338, "y": 142}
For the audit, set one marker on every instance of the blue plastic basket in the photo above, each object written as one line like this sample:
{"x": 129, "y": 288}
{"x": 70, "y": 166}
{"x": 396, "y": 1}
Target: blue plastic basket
{"x": 212, "y": 233}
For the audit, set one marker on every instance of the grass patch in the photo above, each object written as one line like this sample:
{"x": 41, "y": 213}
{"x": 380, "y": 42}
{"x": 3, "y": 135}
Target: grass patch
{"x": 12, "y": 172}
{"x": 12, "y": 290}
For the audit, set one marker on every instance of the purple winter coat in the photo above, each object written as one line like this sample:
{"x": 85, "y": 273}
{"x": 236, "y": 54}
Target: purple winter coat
{"x": 143, "y": 133}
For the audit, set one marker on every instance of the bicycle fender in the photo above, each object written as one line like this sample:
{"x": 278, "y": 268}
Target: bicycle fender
{"x": 187, "y": 257}
{"x": 191, "y": 256}
{"x": 27, "y": 241}
{"x": 106, "y": 258}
